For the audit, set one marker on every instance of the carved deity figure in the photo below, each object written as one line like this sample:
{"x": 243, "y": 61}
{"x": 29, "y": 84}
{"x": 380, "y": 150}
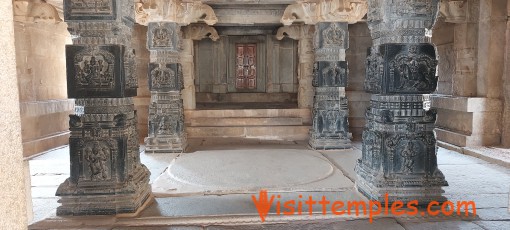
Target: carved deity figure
{"x": 333, "y": 36}
{"x": 163, "y": 77}
{"x": 94, "y": 72}
{"x": 162, "y": 37}
{"x": 164, "y": 126}
{"x": 97, "y": 157}
{"x": 408, "y": 154}
{"x": 332, "y": 75}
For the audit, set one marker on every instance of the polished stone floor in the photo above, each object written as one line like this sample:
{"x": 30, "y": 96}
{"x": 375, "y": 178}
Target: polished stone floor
{"x": 219, "y": 176}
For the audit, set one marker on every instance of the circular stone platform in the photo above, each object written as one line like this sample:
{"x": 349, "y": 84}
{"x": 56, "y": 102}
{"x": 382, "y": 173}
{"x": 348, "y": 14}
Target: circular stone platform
{"x": 250, "y": 168}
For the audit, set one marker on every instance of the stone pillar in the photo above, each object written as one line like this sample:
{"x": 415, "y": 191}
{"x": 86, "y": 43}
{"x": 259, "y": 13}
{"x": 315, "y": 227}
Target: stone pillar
{"x": 107, "y": 177}
{"x": 12, "y": 179}
{"x": 505, "y": 136}
{"x": 165, "y": 42}
{"x": 330, "y": 129}
{"x": 398, "y": 155}
{"x": 166, "y": 114}
{"x": 304, "y": 35}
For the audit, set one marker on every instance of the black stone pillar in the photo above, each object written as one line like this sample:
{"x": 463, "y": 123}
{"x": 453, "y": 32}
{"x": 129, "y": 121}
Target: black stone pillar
{"x": 166, "y": 114}
{"x": 107, "y": 177}
{"x": 330, "y": 128}
{"x": 399, "y": 146}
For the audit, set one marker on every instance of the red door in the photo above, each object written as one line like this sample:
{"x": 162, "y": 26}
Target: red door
{"x": 246, "y": 72}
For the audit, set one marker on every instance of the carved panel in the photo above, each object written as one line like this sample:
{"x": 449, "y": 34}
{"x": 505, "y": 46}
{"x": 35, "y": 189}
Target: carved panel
{"x": 246, "y": 70}
{"x": 407, "y": 69}
{"x": 94, "y": 72}
{"x": 330, "y": 74}
{"x": 90, "y": 10}
{"x": 331, "y": 35}
{"x": 163, "y": 35}
{"x": 165, "y": 77}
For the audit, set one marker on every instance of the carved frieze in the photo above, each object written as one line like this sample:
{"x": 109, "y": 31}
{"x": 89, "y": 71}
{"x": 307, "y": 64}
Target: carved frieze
{"x": 401, "y": 68}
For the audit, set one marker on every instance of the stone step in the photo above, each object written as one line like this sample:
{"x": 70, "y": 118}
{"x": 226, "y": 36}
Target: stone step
{"x": 245, "y": 121}
{"x": 305, "y": 114}
{"x": 256, "y": 132}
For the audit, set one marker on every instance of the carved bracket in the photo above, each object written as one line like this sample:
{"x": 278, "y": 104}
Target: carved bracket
{"x": 183, "y": 12}
{"x": 454, "y": 11}
{"x": 296, "y": 32}
{"x": 35, "y": 11}
{"x": 199, "y": 32}
{"x": 313, "y": 11}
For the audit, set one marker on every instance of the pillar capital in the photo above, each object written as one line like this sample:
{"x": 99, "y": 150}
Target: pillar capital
{"x": 296, "y": 32}
{"x": 313, "y": 11}
{"x": 182, "y": 12}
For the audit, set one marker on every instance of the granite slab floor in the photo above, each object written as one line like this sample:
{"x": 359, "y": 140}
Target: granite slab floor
{"x": 211, "y": 187}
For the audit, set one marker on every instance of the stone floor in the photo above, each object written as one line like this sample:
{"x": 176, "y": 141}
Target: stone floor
{"x": 217, "y": 181}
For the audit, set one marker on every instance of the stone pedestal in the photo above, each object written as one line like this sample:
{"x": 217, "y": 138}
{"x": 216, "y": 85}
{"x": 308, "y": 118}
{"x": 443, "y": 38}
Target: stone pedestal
{"x": 166, "y": 115}
{"x": 107, "y": 177}
{"x": 398, "y": 155}
{"x": 330, "y": 129}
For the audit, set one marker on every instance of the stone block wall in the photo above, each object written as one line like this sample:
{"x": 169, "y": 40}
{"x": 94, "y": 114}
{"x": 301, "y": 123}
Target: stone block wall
{"x": 358, "y": 100}
{"x": 41, "y": 69}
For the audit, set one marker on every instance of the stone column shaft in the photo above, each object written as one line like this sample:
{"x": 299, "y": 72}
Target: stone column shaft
{"x": 166, "y": 114}
{"x": 398, "y": 155}
{"x": 107, "y": 177}
{"x": 330, "y": 129}
{"x": 188, "y": 70}
{"x": 305, "y": 72}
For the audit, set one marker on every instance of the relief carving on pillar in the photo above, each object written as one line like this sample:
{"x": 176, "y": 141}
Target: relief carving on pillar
{"x": 98, "y": 156}
{"x": 330, "y": 74}
{"x": 163, "y": 35}
{"x": 165, "y": 77}
{"x": 95, "y": 69}
{"x": 401, "y": 68}
{"x": 181, "y": 12}
{"x": 313, "y": 11}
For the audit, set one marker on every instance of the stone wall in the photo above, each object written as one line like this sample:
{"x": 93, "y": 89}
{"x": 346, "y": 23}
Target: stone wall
{"x": 142, "y": 100}
{"x": 41, "y": 68}
{"x": 469, "y": 97}
{"x": 359, "y": 41}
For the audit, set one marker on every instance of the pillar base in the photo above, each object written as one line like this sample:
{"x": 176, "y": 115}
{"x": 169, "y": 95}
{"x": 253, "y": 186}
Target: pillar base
{"x": 329, "y": 143}
{"x": 98, "y": 199}
{"x": 403, "y": 188}
{"x": 165, "y": 144}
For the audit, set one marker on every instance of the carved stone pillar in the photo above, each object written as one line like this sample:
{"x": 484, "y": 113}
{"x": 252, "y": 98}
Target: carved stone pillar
{"x": 164, "y": 41}
{"x": 166, "y": 115}
{"x": 107, "y": 177}
{"x": 191, "y": 33}
{"x": 398, "y": 156}
{"x": 304, "y": 35}
{"x": 330, "y": 129}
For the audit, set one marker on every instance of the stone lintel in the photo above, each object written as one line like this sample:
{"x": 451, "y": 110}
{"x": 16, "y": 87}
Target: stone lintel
{"x": 466, "y": 104}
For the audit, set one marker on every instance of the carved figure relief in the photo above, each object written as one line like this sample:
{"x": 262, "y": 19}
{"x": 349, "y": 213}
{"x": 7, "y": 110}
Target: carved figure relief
{"x": 333, "y": 75}
{"x": 94, "y": 69}
{"x": 161, "y": 37}
{"x": 333, "y": 36}
{"x": 408, "y": 154}
{"x": 163, "y": 77}
{"x": 97, "y": 155}
{"x": 413, "y": 71}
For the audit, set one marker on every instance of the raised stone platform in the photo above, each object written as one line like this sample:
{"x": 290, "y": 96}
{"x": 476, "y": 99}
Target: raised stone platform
{"x": 265, "y": 124}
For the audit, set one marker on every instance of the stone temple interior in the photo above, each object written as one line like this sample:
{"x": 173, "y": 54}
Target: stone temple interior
{"x": 172, "y": 114}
